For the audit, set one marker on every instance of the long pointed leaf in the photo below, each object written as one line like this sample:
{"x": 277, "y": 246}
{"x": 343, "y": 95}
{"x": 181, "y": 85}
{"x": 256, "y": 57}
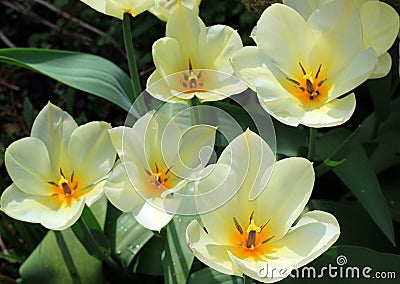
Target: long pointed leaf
{"x": 89, "y": 73}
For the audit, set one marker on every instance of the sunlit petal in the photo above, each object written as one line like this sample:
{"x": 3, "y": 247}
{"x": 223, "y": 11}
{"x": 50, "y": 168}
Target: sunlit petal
{"x": 28, "y": 164}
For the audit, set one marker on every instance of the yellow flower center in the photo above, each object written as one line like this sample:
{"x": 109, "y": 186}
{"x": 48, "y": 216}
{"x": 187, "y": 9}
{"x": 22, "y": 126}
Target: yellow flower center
{"x": 253, "y": 241}
{"x": 160, "y": 180}
{"x": 192, "y": 82}
{"x": 309, "y": 89}
{"x": 66, "y": 191}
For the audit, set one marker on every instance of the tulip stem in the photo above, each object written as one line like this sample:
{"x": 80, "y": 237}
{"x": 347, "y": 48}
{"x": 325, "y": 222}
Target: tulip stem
{"x": 311, "y": 144}
{"x": 66, "y": 255}
{"x": 194, "y": 111}
{"x": 130, "y": 51}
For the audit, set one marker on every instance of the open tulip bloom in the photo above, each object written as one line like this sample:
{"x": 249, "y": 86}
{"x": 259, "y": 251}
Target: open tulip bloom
{"x": 198, "y": 55}
{"x": 163, "y": 9}
{"x": 301, "y": 69}
{"x": 117, "y": 8}
{"x": 380, "y": 26}
{"x": 251, "y": 233}
{"x": 158, "y": 158}
{"x": 57, "y": 170}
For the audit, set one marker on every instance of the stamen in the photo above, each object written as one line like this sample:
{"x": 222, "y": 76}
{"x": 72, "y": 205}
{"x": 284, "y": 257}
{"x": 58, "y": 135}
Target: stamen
{"x": 302, "y": 69}
{"x": 148, "y": 172}
{"x": 52, "y": 183}
{"x": 167, "y": 171}
{"x": 309, "y": 87}
{"x": 263, "y": 226}
{"x": 319, "y": 69}
{"x": 251, "y": 240}
{"x": 267, "y": 240}
{"x": 72, "y": 177}
{"x": 237, "y": 225}
{"x": 61, "y": 173}
{"x": 251, "y": 218}
{"x": 321, "y": 82}
{"x": 190, "y": 65}
{"x": 66, "y": 188}
{"x": 293, "y": 81}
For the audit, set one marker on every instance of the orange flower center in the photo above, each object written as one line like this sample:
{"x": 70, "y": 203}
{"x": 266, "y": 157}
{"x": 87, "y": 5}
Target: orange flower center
{"x": 310, "y": 90}
{"x": 160, "y": 179}
{"x": 192, "y": 82}
{"x": 253, "y": 242}
{"x": 66, "y": 191}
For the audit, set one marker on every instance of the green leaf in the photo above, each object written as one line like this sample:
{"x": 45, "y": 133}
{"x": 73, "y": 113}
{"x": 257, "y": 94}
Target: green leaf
{"x": 339, "y": 155}
{"x": 91, "y": 235}
{"x": 49, "y": 264}
{"x": 358, "y": 175}
{"x": 356, "y": 227}
{"x": 349, "y": 264}
{"x": 383, "y": 143}
{"x": 289, "y": 139}
{"x": 149, "y": 259}
{"x": 130, "y": 238}
{"x": 89, "y": 73}
{"x": 178, "y": 258}
{"x": 208, "y": 275}
{"x": 380, "y": 91}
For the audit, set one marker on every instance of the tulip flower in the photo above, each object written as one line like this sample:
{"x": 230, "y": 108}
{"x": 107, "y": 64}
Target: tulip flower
{"x": 158, "y": 158}
{"x": 163, "y": 9}
{"x": 117, "y": 8}
{"x": 380, "y": 25}
{"x": 57, "y": 170}
{"x": 302, "y": 70}
{"x": 201, "y": 56}
{"x": 252, "y": 235}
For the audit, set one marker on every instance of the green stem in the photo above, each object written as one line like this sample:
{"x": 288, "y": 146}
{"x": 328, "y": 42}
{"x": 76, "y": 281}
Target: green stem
{"x": 311, "y": 144}
{"x": 195, "y": 116}
{"x": 67, "y": 257}
{"x": 130, "y": 51}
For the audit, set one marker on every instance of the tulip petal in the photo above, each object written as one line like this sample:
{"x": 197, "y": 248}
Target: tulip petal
{"x": 334, "y": 113}
{"x": 383, "y": 67}
{"x": 380, "y": 23}
{"x": 337, "y": 26}
{"x": 119, "y": 190}
{"x": 54, "y": 127}
{"x": 219, "y": 44}
{"x": 357, "y": 71}
{"x": 208, "y": 251}
{"x": 28, "y": 164}
{"x": 193, "y": 149}
{"x": 218, "y": 201}
{"x": 315, "y": 232}
{"x": 167, "y": 56}
{"x": 91, "y": 151}
{"x": 266, "y": 271}
{"x": 150, "y": 217}
{"x": 185, "y": 27}
{"x": 248, "y": 64}
{"x": 305, "y": 7}
{"x": 39, "y": 209}
{"x": 286, "y": 195}
{"x": 243, "y": 169}
{"x": 286, "y": 38}
{"x": 277, "y": 101}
